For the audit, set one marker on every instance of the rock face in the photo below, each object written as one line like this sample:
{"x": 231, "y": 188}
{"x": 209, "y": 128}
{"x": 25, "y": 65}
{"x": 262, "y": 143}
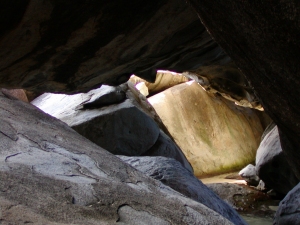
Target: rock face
{"x": 215, "y": 135}
{"x": 288, "y": 211}
{"x": 51, "y": 175}
{"x": 228, "y": 81}
{"x": 171, "y": 173}
{"x": 128, "y": 128}
{"x": 272, "y": 166}
{"x": 263, "y": 40}
{"x": 66, "y": 46}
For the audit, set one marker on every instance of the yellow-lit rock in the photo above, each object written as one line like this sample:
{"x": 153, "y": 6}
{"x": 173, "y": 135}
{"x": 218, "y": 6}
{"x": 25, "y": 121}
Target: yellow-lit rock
{"x": 216, "y": 135}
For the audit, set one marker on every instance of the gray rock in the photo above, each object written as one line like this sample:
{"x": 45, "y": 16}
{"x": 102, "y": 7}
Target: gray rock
{"x": 171, "y": 173}
{"x": 52, "y": 175}
{"x": 288, "y": 212}
{"x": 249, "y": 175}
{"x": 272, "y": 166}
{"x": 164, "y": 146}
{"x": 120, "y": 128}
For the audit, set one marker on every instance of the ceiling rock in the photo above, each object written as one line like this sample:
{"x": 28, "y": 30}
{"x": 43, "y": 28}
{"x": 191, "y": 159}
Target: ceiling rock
{"x": 67, "y": 46}
{"x": 263, "y": 40}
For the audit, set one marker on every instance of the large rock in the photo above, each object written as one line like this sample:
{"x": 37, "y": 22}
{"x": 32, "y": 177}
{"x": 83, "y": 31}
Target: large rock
{"x": 120, "y": 128}
{"x": 67, "y": 46}
{"x": 51, "y": 175}
{"x": 272, "y": 166}
{"x": 215, "y": 135}
{"x": 171, "y": 173}
{"x": 289, "y": 208}
{"x": 263, "y": 40}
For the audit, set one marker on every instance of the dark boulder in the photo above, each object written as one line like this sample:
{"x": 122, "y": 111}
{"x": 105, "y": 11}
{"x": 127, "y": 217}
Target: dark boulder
{"x": 171, "y": 173}
{"x": 272, "y": 166}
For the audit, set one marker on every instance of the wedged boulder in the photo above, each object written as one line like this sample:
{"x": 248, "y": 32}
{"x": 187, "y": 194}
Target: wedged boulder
{"x": 163, "y": 81}
{"x": 272, "y": 166}
{"x": 215, "y": 135}
{"x": 120, "y": 128}
{"x": 289, "y": 208}
{"x": 249, "y": 175}
{"x": 49, "y": 174}
{"x": 171, "y": 173}
{"x": 228, "y": 81}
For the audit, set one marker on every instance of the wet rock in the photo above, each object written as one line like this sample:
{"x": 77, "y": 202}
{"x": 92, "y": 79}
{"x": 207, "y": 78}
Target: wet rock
{"x": 289, "y": 208}
{"x": 171, "y": 173}
{"x": 50, "y": 174}
{"x": 272, "y": 166}
{"x": 249, "y": 175}
{"x": 209, "y": 128}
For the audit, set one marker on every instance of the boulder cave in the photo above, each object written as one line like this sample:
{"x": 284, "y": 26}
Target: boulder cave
{"x": 242, "y": 51}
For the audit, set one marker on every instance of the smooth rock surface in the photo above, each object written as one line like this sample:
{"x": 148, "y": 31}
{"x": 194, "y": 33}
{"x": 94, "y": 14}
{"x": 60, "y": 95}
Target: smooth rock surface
{"x": 289, "y": 208}
{"x": 215, "y": 135}
{"x": 171, "y": 173}
{"x": 272, "y": 166}
{"x": 249, "y": 175}
{"x": 17, "y": 93}
{"x": 67, "y": 46}
{"x": 49, "y": 174}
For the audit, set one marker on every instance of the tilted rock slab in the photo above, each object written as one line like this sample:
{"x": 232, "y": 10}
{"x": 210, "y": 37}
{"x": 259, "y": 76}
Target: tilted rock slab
{"x": 272, "y": 165}
{"x": 215, "y": 135}
{"x": 50, "y": 174}
{"x": 171, "y": 173}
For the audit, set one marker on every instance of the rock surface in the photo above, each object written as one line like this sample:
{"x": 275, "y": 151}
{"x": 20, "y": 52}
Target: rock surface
{"x": 249, "y": 175}
{"x": 17, "y": 93}
{"x": 272, "y": 166}
{"x": 289, "y": 208}
{"x": 262, "y": 38}
{"x": 67, "y": 46}
{"x": 51, "y": 175}
{"x": 171, "y": 173}
{"x": 215, "y": 135}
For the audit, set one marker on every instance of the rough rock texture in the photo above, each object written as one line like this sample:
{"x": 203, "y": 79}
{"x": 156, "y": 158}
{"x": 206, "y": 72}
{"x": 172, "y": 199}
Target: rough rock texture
{"x": 272, "y": 166}
{"x": 171, "y": 173}
{"x": 262, "y": 38}
{"x": 163, "y": 81}
{"x": 55, "y": 46}
{"x": 288, "y": 212}
{"x": 17, "y": 93}
{"x": 228, "y": 81}
{"x": 244, "y": 198}
{"x": 49, "y": 174}
{"x": 249, "y": 175}
{"x": 215, "y": 135}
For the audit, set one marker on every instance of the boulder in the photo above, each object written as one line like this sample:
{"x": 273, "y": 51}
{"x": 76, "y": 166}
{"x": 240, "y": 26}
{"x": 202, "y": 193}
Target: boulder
{"x": 163, "y": 81}
{"x": 171, "y": 173}
{"x": 120, "y": 128}
{"x": 52, "y": 175}
{"x": 215, "y": 135}
{"x": 17, "y": 93}
{"x": 249, "y": 175}
{"x": 272, "y": 166}
{"x": 164, "y": 146}
{"x": 67, "y": 46}
{"x": 289, "y": 208}
{"x": 263, "y": 41}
